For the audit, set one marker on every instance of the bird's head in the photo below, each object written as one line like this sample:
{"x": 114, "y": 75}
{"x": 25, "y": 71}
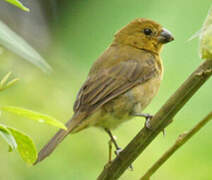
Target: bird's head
{"x": 144, "y": 34}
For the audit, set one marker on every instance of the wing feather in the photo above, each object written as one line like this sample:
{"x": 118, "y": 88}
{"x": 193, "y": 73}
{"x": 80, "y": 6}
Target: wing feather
{"x": 110, "y": 83}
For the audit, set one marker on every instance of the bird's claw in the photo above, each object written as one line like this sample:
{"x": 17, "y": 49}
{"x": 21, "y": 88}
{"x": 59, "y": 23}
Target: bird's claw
{"x": 147, "y": 122}
{"x": 148, "y": 125}
{"x": 148, "y": 118}
{"x": 117, "y": 151}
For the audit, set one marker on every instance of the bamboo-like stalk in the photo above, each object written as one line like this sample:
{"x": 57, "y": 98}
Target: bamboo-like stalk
{"x": 161, "y": 119}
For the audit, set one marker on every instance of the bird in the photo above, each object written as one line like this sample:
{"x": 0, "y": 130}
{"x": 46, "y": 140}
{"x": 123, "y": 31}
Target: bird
{"x": 121, "y": 82}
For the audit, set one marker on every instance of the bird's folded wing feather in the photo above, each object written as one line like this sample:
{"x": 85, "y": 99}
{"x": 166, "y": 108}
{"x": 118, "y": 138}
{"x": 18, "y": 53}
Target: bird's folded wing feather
{"x": 110, "y": 83}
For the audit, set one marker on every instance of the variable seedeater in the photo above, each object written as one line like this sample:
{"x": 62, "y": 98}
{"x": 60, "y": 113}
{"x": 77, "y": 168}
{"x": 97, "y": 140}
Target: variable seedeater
{"x": 121, "y": 82}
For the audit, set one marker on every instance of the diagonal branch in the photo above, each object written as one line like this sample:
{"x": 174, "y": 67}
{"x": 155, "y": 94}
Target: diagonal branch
{"x": 158, "y": 122}
{"x": 182, "y": 139}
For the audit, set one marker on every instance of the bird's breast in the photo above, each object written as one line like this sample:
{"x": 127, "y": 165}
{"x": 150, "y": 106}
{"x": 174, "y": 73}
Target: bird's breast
{"x": 121, "y": 108}
{"x": 142, "y": 94}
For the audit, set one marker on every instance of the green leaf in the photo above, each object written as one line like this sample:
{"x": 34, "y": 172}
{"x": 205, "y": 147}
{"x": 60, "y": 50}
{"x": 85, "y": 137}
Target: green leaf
{"x": 8, "y": 137}
{"x": 11, "y": 83}
{"x": 4, "y": 84}
{"x": 18, "y": 4}
{"x": 206, "y": 37}
{"x": 19, "y": 46}
{"x": 5, "y": 78}
{"x": 42, "y": 118}
{"x": 26, "y": 147}
{"x": 21, "y": 141}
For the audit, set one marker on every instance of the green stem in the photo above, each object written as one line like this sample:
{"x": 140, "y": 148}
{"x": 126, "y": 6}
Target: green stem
{"x": 161, "y": 119}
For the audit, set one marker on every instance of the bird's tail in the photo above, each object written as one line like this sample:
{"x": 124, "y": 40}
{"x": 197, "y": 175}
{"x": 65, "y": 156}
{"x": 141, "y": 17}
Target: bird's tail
{"x": 59, "y": 136}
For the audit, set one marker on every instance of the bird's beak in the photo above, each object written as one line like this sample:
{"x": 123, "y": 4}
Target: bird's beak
{"x": 165, "y": 36}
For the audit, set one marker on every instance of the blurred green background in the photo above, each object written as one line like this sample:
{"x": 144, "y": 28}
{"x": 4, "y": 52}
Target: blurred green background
{"x": 72, "y": 34}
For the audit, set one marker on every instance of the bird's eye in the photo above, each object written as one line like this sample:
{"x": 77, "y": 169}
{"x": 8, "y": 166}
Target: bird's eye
{"x": 147, "y": 31}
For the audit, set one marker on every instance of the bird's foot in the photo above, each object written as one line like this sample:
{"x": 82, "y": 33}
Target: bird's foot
{"x": 147, "y": 122}
{"x": 148, "y": 125}
{"x": 118, "y": 149}
{"x": 148, "y": 118}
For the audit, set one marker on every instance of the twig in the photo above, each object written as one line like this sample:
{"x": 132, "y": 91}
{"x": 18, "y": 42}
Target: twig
{"x": 161, "y": 119}
{"x": 182, "y": 139}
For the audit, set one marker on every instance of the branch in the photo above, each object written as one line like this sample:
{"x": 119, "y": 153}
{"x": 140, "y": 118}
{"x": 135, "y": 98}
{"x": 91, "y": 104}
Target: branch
{"x": 182, "y": 139}
{"x": 158, "y": 122}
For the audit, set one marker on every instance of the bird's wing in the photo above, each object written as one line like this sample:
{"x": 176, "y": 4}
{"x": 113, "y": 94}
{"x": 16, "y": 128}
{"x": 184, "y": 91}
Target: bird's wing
{"x": 110, "y": 83}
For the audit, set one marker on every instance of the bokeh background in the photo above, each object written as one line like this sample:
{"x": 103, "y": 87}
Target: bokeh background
{"x": 70, "y": 35}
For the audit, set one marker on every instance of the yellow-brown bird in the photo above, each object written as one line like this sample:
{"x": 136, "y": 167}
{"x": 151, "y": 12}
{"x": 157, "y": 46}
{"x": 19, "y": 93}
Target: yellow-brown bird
{"x": 121, "y": 82}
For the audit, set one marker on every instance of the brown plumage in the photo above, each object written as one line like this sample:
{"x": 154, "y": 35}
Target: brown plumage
{"x": 122, "y": 81}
